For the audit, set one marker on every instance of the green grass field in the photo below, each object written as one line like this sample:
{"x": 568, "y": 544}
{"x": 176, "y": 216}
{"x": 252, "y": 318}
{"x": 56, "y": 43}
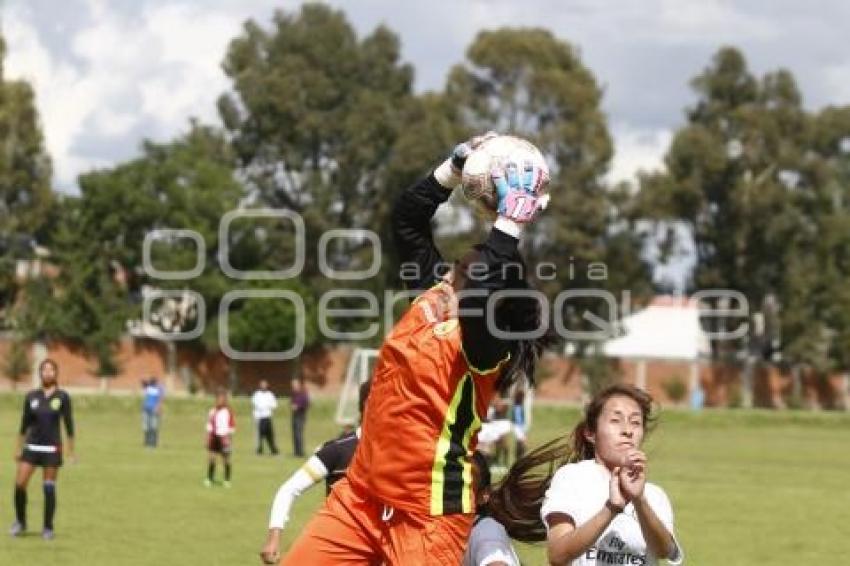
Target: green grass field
{"x": 747, "y": 487}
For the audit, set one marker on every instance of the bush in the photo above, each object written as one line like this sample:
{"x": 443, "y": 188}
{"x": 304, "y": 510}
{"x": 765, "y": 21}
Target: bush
{"x": 599, "y": 373}
{"x": 735, "y": 400}
{"x": 676, "y": 389}
{"x": 17, "y": 364}
{"x": 795, "y": 401}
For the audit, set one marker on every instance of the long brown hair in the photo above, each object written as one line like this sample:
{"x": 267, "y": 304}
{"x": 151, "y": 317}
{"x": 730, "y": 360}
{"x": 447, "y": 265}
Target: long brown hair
{"x": 49, "y": 362}
{"x": 516, "y": 500}
{"x": 517, "y": 315}
{"x": 52, "y": 363}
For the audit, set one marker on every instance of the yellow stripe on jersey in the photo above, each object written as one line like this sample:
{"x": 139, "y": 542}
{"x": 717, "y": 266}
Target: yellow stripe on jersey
{"x": 495, "y": 368}
{"x": 451, "y": 474}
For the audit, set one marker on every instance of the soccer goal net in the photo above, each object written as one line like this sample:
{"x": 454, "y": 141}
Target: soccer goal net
{"x": 360, "y": 368}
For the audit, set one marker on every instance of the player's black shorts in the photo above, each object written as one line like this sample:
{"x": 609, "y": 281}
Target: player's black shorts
{"x": 43, "y": 459}
{"x": 216, "y": 444}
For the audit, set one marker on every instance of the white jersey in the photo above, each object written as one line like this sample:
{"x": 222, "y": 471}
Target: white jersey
{"x": 220, "y": 421}
{"x": 264, "y": 403}
{"x": 489, "y": 543}
{"x": 581, "y": 490}
{"x": 494, "y": 431}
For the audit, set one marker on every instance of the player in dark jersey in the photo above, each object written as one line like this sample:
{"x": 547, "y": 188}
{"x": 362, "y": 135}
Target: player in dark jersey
{"x": 329, "y": 462}
{"x": 40, "y": 445}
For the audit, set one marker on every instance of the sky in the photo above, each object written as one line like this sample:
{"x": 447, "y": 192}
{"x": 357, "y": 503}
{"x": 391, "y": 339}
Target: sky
{"x": 110, "y": 74}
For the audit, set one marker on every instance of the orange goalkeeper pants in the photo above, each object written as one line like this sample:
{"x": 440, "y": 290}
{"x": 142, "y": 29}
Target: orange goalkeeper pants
{"x": 355, "y": 528}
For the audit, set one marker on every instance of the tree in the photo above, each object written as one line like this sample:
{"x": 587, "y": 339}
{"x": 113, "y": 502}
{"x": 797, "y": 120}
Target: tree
{"x": 529, "y": 83}
{"x": 97, "y": 246}
{"x": 822, "y": 292}
{"x": 314, "y": 115}
{"x": 762, "y": 185}
{"x": 25, "y": 172}
{"x": 722, "y": 174}
{"x": 17, "y": 364}
{"x": 434, "y": 126}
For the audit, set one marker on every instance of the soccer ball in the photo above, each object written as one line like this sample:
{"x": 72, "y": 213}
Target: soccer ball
{"x": 476, "y": 182}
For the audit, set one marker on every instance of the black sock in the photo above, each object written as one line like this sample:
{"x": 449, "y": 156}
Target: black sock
{"x": 49, "y": 504}
{"x": 227, "y": 471}
{"x": 211, "y": 471}
{"x": 21, "y": 505}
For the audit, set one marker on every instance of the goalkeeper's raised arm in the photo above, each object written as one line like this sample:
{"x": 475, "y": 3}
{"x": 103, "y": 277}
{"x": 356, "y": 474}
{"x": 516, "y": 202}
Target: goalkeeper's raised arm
{"x": 414, "y": 209}
{"x": 492, "y": 266}
{"x": 496, "y": 266}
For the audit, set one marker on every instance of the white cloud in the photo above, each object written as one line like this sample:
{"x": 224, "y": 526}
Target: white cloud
{"x": 837, "y": 81}
{"x": 191, "y": 35}
{"x": 637, "y": 150}
{"x": 130, "y": 70}
{"x": 192, "y": 43}
{"x": 119, "y": 77}
{"x": 112, "y": 124}
{"x": 692, "y": 21}
{"x": 59, "y": 96}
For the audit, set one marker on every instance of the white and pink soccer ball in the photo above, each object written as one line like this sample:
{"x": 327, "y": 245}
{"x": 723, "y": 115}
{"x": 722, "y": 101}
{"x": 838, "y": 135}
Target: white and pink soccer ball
{"x": 476, "y": 181}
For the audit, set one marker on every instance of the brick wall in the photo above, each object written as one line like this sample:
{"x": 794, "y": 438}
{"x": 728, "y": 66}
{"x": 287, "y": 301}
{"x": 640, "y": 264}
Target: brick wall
{"x": 560, "y": 378}
{"x": 140, "y": 359}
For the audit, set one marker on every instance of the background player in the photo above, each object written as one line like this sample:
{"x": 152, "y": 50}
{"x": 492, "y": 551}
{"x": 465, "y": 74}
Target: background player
{"x": 328, "y": 463}
{"x": 153, "y": 394}
{"x": 221, "y": 424}
{"x": 40, "y": 445}
{"x": 597, "y": 508}
{"x": 299, "y": 404}
{"x": 489, "y": 543}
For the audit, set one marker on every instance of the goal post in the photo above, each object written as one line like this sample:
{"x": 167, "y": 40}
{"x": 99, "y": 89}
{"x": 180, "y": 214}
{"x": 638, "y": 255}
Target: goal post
{"x": 360, "y": 367}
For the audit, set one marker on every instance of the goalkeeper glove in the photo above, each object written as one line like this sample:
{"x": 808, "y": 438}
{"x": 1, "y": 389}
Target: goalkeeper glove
{"x": 521, "y": 193}
{"x": 448, "y": 174}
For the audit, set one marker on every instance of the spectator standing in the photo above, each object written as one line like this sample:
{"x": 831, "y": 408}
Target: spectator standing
{"x": 300, "y": 403}
{"x": 264, "y": 403}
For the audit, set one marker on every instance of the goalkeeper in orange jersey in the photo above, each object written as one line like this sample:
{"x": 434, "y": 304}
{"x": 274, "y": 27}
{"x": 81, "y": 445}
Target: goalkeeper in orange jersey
{"x": 407, "y": 497}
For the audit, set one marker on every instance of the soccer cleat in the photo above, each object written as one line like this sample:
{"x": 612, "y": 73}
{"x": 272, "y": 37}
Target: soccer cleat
{"x": 208, "y": 483}
{"x": 47, "y": 534}
{"x": 17, "y": 529}
{"x": 226, "y": 483}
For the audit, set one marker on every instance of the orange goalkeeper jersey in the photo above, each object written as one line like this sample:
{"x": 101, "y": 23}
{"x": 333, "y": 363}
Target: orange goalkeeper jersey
{"x": 421, "y": 420}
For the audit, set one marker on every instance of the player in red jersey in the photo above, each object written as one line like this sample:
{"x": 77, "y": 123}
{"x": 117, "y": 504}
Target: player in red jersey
{"x": 221, "y": 425}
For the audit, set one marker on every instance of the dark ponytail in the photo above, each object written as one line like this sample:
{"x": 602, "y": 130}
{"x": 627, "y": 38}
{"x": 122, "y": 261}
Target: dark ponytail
{"x": 516, "y": 500}
{"x": 523, "y": 314}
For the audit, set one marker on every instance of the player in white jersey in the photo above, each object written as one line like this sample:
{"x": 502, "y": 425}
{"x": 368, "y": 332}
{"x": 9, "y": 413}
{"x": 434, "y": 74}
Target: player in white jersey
{"x": 264, "y": 403}
{"x": 329, "y": 463}
{"x": 489, "y": 543}
{"x": 597, "y": 508}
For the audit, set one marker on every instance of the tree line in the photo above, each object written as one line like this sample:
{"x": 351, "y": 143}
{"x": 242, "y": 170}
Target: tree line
{"x": 325, "y": 123}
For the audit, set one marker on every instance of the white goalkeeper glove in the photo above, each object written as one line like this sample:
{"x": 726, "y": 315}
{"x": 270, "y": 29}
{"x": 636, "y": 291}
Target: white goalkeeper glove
{"x": 448, "y": 173}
